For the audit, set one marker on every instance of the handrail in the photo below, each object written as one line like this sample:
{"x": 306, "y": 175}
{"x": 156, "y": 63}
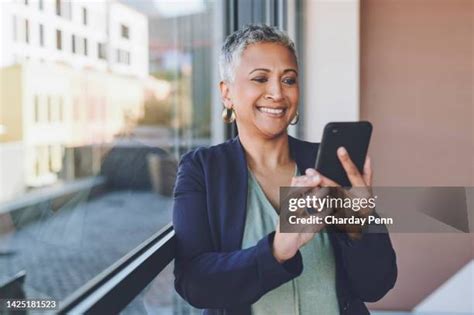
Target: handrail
{"x": 114, "y": 288}
{"x": 49, "y": 193}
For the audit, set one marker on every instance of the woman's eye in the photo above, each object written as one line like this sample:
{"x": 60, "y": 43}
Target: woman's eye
{"x": 260, "y": 79}
{"x": 289, "y": 81}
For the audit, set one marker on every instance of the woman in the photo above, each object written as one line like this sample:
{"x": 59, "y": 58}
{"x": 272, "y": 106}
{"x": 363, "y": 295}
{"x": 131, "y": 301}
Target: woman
{"x": 229, "y": 258}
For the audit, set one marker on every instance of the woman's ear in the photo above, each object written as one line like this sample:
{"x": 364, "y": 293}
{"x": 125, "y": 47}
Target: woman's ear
{"x": 225, "y": 94}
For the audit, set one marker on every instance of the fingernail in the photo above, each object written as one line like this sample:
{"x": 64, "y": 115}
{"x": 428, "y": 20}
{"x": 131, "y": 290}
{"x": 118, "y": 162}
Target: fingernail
{"x": 315, "y": 178}
{"x": 342, "y": 151}
{"x": 310, "y": 171}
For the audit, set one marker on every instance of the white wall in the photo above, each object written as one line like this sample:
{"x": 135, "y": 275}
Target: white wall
{"x": 331, "y": 38}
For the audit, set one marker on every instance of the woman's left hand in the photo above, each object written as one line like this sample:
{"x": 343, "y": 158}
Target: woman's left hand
{"x": 361, "y": 188}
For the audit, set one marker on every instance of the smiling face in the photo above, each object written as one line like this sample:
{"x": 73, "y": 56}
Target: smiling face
{"x": 265, "y": 92}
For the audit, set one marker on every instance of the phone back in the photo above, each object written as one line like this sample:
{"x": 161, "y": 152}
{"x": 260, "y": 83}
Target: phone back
{"x": 355, "y": 137}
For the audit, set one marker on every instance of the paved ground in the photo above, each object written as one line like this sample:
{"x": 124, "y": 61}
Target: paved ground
{"x": 64, "y": 250}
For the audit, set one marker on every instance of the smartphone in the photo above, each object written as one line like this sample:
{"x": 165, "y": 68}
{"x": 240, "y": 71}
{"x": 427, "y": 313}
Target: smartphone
{"x": 355, "y": 137}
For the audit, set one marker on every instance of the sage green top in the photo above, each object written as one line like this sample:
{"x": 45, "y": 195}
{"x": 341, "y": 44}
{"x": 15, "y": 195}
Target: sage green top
{"x": 314, "y": 291}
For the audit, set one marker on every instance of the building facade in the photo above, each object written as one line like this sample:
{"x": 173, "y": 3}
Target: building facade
{"x": 73, "y": 73}
{"x": 103, "y": 35}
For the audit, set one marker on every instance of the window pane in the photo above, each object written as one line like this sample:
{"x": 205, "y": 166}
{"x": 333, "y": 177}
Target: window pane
{"x": 160, "y": 297}
{"x": 59, "y": 40}
{"x": 36, "y": 109}
{"x": 27, "y": 31}
{"x": 124, "y": 31}
{"x": 73, "y": 44}
{"x": 90, "y": 146}
{"x": 102, "y": 54}
{"x": 49, "y": 108}
{"x": 84, "y": 16}
{"x": 85, "y": 46}
{"x": 58, "y": 7}
{"x": 41, "y": 35}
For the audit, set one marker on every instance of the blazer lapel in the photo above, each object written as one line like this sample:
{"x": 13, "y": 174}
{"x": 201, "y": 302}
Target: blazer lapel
{"x": 304, "y": 153}
{"x": 234, "y": 196}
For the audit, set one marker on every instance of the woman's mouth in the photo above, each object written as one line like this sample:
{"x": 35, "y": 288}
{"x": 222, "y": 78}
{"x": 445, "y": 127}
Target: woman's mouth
{"x": 272, "y": 112}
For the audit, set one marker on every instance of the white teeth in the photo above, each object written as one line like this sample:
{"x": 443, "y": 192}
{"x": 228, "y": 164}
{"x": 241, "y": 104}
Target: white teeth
{"x": 271, "y": 110}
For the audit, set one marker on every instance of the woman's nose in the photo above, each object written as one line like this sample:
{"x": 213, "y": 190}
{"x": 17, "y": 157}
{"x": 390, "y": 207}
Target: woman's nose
{"x": 274, "y": 92}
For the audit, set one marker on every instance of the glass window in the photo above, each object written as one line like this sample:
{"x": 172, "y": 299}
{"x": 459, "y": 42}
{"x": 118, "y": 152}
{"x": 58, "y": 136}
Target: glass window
{"x": 84, "y": 16}
{"x": 50, "y": 158}
{"x": 27, "y": 31}
{"x": 160, "y": 297}
{"x": 109, "y": 186}
{"x": 124, "y": 31}
{"x": 123, "y": 57}
{"x": 49, "y": 109}
{"x": 58, "y": 7}
{"x": 37, "y": 109}
{"x": 73, "y": 43}
{"x": 59, "y": 40}
{"x": 84, "y": 40}
{"x": 101, "y": 51}
{"x": 41, "y": 35}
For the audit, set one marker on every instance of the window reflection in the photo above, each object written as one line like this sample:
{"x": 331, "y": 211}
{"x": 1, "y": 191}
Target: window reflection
{"x": 102, "y": 100}
{"x": 160, "y": 297}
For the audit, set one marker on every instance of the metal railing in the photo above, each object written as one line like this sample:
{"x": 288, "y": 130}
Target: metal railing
{"x": 49, "y": 194}
{"x": 113, "y": 289}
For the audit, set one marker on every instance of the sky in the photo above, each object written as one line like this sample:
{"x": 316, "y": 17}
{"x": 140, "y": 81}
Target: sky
{"x": 166, "y": 8}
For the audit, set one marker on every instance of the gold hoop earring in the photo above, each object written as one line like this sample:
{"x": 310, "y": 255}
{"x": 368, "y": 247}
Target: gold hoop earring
{"x": 228, "y": 115}
{"x": 296, "y": 119}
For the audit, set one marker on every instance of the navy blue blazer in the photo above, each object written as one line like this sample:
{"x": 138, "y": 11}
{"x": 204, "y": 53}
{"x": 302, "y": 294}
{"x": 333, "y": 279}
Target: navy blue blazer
{"x": 214, "y": 273}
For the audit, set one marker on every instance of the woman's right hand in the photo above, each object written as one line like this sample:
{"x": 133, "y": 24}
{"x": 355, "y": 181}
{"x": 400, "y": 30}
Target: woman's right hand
{"x": 286, "y": 245}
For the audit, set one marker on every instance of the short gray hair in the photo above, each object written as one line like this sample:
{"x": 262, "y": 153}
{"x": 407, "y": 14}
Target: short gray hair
{"x": 235, "y": 44}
